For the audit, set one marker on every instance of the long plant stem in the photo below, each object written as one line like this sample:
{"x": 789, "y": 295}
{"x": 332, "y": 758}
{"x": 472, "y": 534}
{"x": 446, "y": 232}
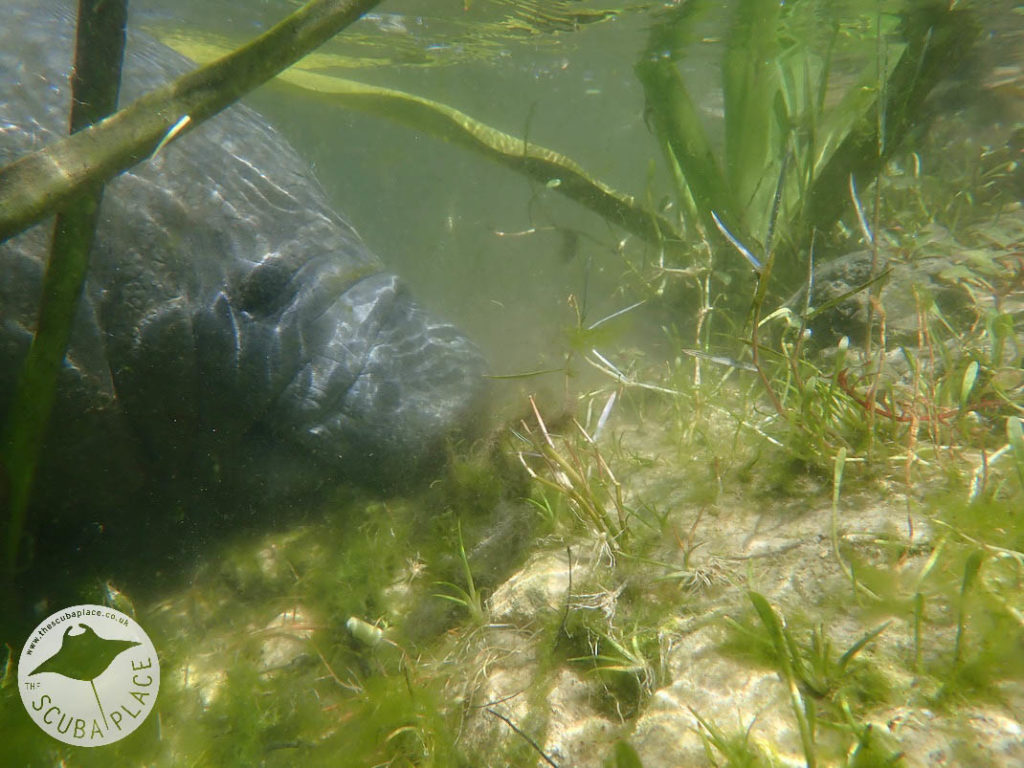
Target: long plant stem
{"x": 99, "y": 52}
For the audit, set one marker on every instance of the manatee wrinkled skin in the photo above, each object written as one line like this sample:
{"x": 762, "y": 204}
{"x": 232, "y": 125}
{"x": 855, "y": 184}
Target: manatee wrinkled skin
{"x": 234, "y": 330}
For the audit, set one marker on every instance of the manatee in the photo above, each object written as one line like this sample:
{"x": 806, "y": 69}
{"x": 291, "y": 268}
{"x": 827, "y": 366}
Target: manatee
{"x": 236, "y": 339}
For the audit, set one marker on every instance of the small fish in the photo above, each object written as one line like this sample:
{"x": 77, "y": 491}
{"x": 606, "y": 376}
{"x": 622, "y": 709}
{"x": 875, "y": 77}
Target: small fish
{"x": 721, "y": 360}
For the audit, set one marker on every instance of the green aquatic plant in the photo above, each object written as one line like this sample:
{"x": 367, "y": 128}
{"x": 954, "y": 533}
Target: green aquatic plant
{"x": 735, "y": 749}
{"x": 625, "y": 665}
{"x": 814, "y": 675}
{"x": 789, "y": 661}
{"x": 352, "y": 688}
{"x": 1015, "y": 439}
{"x": 788, "y": 154}
{"x": 785, "y": 130}
{"x": 545, "y": 507}
{"x": 950, "y": 420}
{"x": 971, "y": 568}
{"x": 617, "y": 655}
{"x": 577, "y": 471}
{"x": 468, "y": 597}
{"x": 959, "y": 604}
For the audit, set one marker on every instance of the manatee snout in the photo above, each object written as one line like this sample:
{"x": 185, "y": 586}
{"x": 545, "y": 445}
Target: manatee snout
{"x": 384, "y": 385}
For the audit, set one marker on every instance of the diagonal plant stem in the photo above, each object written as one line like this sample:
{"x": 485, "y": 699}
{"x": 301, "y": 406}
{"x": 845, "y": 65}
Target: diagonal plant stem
{"x": 536, "y": 162}
{"x": 38, "y": 183}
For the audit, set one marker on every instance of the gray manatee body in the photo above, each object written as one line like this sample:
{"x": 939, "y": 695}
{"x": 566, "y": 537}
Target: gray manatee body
{"x": 235, "y": 332}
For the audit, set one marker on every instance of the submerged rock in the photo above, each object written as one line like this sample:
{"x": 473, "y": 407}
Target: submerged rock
{"x": 843, "y": 287}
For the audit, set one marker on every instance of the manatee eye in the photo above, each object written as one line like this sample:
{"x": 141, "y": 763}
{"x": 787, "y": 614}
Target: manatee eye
{"x": 264, "y": 290}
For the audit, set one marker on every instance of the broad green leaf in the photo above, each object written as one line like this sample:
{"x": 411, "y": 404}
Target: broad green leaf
{"x": 750, "y": 84}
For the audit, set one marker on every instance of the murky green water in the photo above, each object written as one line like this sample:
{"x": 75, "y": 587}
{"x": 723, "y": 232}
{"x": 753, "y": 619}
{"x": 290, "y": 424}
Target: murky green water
{"x": 712, "y": 537}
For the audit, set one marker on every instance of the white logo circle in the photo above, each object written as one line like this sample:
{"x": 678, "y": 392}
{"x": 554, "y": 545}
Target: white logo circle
{"x": 88, "y": 675}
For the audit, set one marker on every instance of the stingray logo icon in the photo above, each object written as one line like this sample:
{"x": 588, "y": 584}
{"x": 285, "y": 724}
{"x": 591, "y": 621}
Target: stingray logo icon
{"x": 88, "y": 675}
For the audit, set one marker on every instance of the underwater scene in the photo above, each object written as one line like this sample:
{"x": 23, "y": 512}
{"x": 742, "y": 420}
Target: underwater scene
{"x": 465, "y": 383}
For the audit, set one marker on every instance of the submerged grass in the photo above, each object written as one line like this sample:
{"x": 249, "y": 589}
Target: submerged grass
{"x": 934, "y": 416}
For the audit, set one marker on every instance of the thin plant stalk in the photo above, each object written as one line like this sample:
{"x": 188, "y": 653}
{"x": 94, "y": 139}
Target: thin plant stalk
{"x": 783, "y": 650}
{"x": 971, "y": 569}
{"x": 95, "y": 84}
